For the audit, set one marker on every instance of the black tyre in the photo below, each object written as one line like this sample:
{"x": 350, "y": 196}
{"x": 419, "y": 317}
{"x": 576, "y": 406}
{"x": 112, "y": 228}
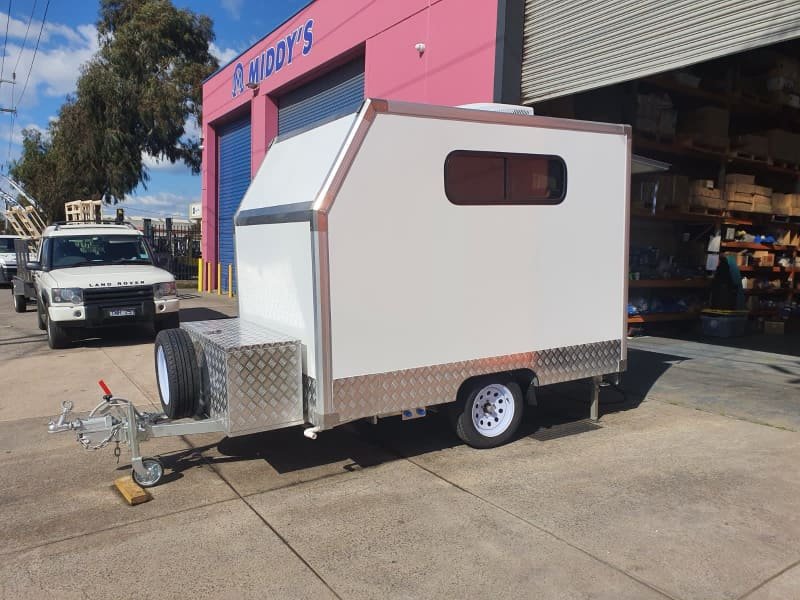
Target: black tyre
{"x": 20, "y": 303}
{"x": 169, "y": 321}
{"x": 40, "y": 318}
{"x": 57, "y": 337}
{"x": 177, "y": 373}
{"x": 488, "y": 412}
{"x": 155, "y": 471}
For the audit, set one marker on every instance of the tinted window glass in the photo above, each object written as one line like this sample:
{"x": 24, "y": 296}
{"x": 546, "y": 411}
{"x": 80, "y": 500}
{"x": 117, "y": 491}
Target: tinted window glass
{"x": 496, "y": 178}
{"x": 83, "y": 250}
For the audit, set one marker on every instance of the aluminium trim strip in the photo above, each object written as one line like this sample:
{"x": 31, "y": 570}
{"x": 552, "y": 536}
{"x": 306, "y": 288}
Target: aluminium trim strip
{"x": 393, "y": 107}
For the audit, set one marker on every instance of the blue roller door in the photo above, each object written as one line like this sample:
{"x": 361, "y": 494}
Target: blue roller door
{"x": 336, "y": 93}
{"x": 233, "y": 179}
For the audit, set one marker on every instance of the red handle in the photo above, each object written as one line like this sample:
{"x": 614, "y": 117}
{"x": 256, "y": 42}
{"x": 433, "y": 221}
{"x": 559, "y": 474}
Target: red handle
{"x": 104, "y": 387}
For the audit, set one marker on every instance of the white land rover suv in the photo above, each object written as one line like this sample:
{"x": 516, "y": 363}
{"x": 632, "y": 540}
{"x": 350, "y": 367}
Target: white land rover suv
{"x": 99, "y": 275}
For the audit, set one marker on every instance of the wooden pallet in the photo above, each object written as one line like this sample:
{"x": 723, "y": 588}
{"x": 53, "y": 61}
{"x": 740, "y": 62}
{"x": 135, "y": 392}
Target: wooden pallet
{"x": 702, "y": 144}
{"x": 705, "y": 211}
{"x": 753, "y": 157}
{"x": 787, "y": 165}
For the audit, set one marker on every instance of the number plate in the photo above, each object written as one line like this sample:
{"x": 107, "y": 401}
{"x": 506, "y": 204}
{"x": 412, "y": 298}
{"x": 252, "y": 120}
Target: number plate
{"x": 122, "y": 312}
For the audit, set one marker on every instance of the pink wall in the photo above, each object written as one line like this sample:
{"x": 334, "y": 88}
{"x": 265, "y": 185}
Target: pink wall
{"x": 457, "y": 67}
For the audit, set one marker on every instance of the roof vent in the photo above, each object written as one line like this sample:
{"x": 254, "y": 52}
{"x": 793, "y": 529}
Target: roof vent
{"x": 512, "y": 109}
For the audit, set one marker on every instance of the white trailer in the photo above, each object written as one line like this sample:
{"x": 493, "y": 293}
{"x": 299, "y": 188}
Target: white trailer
{"x": 411, "y": 257}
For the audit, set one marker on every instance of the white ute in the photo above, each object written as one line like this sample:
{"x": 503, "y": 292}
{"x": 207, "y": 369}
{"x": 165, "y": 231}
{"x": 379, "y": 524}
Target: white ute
{"x": 8, "y": 258}
{"x": 99, "y": 275}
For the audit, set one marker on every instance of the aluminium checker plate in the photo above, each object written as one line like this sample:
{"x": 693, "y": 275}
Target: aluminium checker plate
{"x": 252, "y": 376}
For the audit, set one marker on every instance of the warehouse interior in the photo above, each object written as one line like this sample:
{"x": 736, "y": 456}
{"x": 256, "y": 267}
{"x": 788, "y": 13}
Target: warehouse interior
{"x": 727, "y": 207}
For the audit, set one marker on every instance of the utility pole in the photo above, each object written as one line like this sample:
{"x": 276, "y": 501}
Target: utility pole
{"x": 12, "y": 81}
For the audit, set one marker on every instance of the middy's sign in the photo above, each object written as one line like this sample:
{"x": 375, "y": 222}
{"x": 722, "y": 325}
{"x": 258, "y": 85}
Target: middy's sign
{"x": 274, "y": 58}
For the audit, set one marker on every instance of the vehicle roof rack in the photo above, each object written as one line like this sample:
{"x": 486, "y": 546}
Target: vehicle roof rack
{"x": 59, "y": 224}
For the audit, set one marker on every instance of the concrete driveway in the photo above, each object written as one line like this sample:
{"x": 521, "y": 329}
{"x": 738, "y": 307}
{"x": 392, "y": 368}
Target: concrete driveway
{"x": 664, "y": 498}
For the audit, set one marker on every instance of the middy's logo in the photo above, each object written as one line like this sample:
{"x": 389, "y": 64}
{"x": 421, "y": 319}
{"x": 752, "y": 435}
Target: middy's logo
{"x": 274, "y": 58}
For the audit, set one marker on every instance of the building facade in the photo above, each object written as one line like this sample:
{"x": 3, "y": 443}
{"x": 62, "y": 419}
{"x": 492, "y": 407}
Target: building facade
{"x": 324, "y": 61}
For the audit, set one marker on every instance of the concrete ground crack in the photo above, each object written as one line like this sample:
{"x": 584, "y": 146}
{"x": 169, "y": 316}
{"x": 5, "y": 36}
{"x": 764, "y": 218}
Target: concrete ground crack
{"x": 769, "y": 579}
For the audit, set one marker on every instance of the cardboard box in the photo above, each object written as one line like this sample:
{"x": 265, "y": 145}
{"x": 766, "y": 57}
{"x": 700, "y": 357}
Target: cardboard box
{"x": 773, "y": 327}
{"x": 708, "y": 121}
{"x": 740, "y": 206}
{"x": 755, "y": 145}
{"x": 738, "y": 195}
{"x": 762, "y": 206}
{"x": 656, "y": 115}
{"x": 785, "y": 66}
{"x": 782, "y": 203}
{"x": 784, "y": 146}
{"x": 672, "y": 191}
{"x": 740, "y": 178}
{"x": 763, "y": 258}
{"x": 703, "y": 194}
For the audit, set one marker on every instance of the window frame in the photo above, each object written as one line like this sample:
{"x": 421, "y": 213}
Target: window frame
{"x": 491, "y": 154}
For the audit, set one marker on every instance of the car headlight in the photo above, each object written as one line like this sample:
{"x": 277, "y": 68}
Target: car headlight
{"x": 71, "y": 295}
{"x": 165, "y": 290}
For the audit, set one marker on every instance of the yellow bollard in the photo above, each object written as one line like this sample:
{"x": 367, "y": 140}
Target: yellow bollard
{"x": 199, "y": 274}
{"x": 230, "y": 281}
{"x": 219, "y": 279}
{"x": 208, "y": 276}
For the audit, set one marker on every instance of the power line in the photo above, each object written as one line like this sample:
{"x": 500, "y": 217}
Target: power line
{"x": 35, "y": 50}
{"x": 5, "y": 40}
{"x": 27, "y": 78}
{"x": 24, "y": 41}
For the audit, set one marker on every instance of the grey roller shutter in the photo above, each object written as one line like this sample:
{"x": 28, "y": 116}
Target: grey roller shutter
{"x": 576, "y": 45}
{"x": 336, "y": 93}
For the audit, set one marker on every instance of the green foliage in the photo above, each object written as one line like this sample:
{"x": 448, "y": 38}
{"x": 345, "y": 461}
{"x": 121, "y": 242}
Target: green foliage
{"x": 134, "y": 96}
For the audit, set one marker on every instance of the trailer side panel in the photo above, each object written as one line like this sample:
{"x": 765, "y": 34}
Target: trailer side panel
{"x": 419, "y": 282}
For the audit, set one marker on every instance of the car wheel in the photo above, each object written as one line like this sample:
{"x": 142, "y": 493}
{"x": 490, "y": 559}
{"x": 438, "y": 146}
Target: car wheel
{"x": 177, "y": 373}
{"x": 57, "y": 337}
{"x": 20, "y": 303}
{"x": 489, "y": 412}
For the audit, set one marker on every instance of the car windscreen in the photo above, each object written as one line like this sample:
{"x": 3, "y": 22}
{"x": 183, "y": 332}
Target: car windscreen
{"x": 6, "y": 245}
{"x": 88, "y": 250}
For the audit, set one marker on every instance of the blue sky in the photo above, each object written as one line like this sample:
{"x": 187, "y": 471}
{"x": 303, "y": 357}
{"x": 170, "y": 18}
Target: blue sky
{"x": 69, "y": 38}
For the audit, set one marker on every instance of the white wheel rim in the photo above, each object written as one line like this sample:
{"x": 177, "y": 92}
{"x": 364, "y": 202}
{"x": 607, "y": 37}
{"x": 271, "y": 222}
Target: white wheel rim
{"x": 163, "y": 378}
{"x": 492, "y": 410}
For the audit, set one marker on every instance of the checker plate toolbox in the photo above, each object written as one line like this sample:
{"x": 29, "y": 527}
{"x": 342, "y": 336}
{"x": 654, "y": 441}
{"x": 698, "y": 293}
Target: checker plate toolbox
{"x": 252, "y": 376}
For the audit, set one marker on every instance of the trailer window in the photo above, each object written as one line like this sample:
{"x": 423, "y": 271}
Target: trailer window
{"x": 502, "y": 178}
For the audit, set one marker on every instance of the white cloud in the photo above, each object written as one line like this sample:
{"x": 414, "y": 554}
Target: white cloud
{"x": 223, "y": 55}
{"x": 18, "y": 27}
{"x": 56, "y": 67}
{"x": 154, "y": 163}
{"x": 160, "y": 204}
{"x": 234, "y": 8}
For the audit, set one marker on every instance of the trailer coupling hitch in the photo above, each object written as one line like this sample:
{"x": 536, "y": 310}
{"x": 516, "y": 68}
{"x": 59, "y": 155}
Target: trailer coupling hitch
{"x": 62, "y": 424}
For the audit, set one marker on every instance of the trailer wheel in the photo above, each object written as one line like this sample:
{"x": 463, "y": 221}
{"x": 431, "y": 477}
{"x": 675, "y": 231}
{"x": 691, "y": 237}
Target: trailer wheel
{"x": 489, "y": 413}
{"x": 155, "y": 471}
{"x": 177, "y": 373}
{"x": 20, "y": 303}
{"x": 57, "y": 338}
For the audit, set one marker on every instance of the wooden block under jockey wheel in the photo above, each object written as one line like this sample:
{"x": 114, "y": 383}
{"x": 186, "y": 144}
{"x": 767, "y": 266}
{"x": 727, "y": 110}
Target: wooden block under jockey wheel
{"x": 131, "y": 491}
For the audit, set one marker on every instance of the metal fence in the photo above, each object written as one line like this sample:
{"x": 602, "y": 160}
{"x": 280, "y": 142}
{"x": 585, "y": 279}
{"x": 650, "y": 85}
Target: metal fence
{"x": 176, "y": 246}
